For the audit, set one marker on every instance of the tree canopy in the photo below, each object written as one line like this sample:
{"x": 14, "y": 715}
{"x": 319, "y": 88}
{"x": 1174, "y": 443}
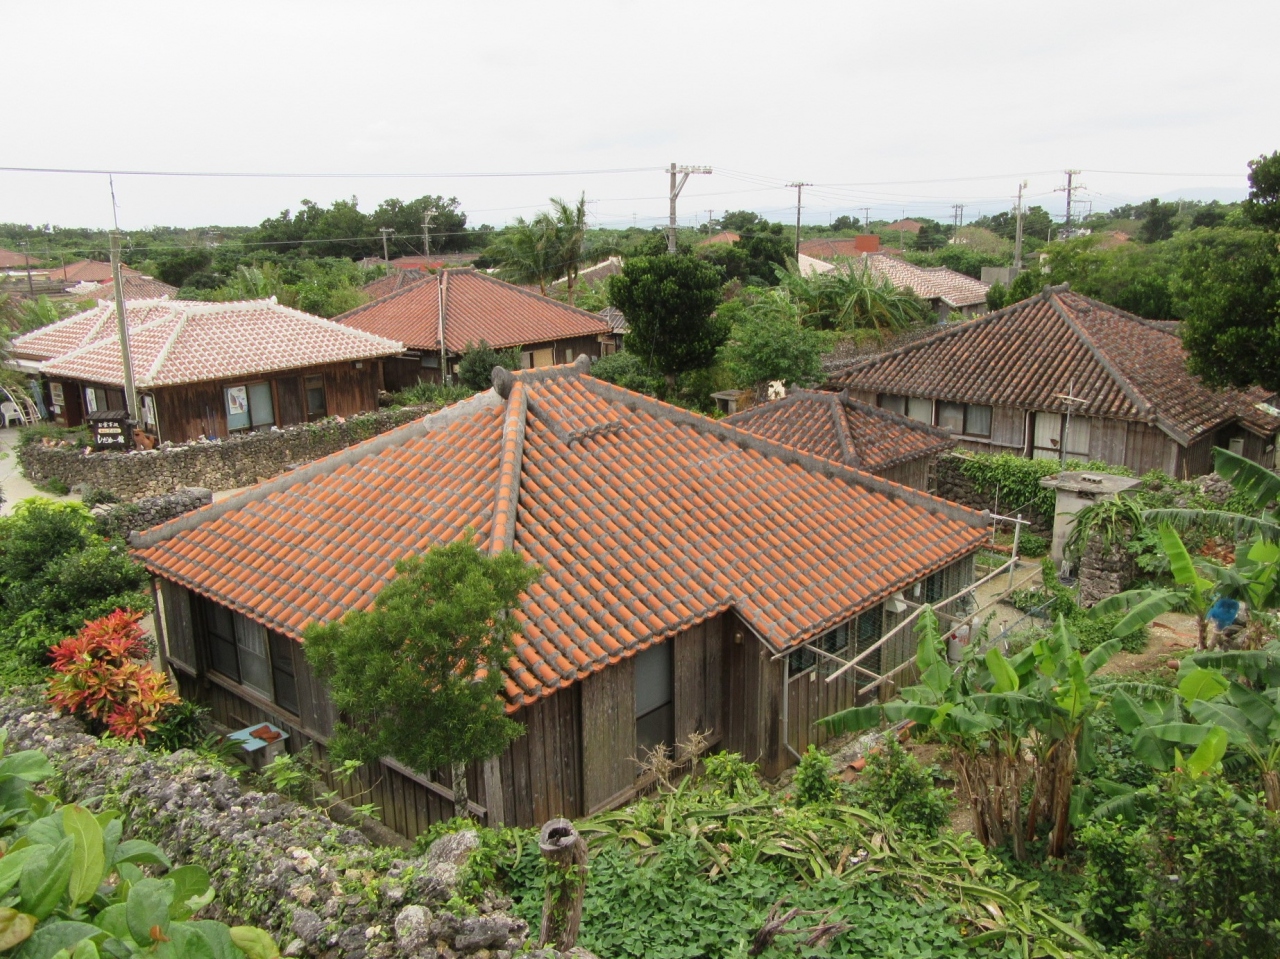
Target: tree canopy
{"x": 768, "y": 342}
{"x": 418, "y": 675}
{"x": 669, "y": 302}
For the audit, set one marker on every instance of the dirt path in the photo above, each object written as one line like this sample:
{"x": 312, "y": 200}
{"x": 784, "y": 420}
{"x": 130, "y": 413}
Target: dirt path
{"x": 1173, "y": 635}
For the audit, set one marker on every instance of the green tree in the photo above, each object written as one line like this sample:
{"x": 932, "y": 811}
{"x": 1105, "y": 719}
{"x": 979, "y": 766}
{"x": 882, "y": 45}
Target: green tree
{"x": 669, "y": 302}
{"x": 419, "y": 675}
{"x": 768, "y": 342}
{"x": 1229, "y": 284}
{"x": 475, "y": 367}
{"x": 852, "y": 299}
{"x": 742, "y": 221}
{"x": 767, "y": 249}
{"x": 526, "y": 252}
{"x": 1157, "y": 221}
{"x": 997, "y": 296}
{"x": 1263, "y": 205}
{"x": 174, "y": 266}
{"x": 845, "y": 222}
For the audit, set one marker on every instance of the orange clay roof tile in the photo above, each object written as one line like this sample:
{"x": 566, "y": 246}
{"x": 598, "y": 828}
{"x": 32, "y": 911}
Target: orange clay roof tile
{"x": 662, "y": 520}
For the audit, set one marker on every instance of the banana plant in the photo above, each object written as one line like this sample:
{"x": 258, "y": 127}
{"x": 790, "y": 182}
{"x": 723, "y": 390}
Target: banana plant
{"x": 1197, "y": 585}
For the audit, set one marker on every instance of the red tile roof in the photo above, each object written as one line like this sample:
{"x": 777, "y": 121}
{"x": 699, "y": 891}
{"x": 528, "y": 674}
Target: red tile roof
{"x": 1030, "y": 354}
{"x": 187, "y": 341}
{"x": 11, "y": 260}
{"x": 646, "y": 519}
{"x": 835, "y": 427}
{"x": 135, "y": 288}
{"x": 395, "y": 280}
{"x": 88, "y": 271}
{"x": 724, "y": 236}
{"x": 905, "y": 226}
{"x": 477, "y": 307}
{"x": 822, "y": 249}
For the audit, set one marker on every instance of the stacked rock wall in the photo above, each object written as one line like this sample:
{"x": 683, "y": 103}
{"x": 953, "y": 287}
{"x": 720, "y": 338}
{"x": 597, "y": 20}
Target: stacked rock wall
{"x": 320, "y": 888}
{"x": 217, "y": 465}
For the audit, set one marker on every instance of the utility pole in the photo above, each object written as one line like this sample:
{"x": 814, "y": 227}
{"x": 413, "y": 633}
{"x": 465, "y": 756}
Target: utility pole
{"x": 1066, "y": 227}
{"x": 676, "y": 187}
{"x": 1017, "y": 237}
{"x": 122, "y": 327}
{"x": 385, "y": 231}
{"x": 866, "y": 219}
{"x": 957, "y": 219}
{"x": 26, "y": 259}
{"x": 426, "y": 231}
{"x": 799, "y": 190}
{"x": 710, "y": 220}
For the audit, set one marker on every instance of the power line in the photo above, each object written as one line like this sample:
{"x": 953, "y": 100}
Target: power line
{"x": 325, "y": 176}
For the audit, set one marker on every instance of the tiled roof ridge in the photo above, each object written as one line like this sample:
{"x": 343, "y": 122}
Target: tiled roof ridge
{"x": 943, "y": 437}
{"x": 1126, "y": 386}
{"x": 323, "y": 466}
{"x": 167, "y": 348}
{"x": 849, "y": 453}
{"x": 788, "y": 454}
{"x": 507, "y": 494}
{"x": 108, "y": 337}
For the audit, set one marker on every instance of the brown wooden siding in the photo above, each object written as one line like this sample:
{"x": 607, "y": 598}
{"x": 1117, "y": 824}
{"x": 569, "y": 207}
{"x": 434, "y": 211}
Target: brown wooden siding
{"x": 406, "y": 370}
{"x": 199, "y": 409}
{"x": 1149, "y": 448}
{"x": 1008, "y": 427}
{"x": 914, "y": 473}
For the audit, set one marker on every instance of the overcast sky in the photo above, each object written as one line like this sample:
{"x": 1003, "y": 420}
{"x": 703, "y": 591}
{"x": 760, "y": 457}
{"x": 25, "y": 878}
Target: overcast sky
{"x": 898, "y": 106}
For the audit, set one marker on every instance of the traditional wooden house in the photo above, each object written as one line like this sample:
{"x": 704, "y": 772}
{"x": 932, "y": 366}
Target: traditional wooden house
{"x": 1061, "y": 374}
{"x": 462, "y": 307}
{"x": 698, "y": 579}
{"x": 865, "y": 437}
{"x": 206, "y": 369}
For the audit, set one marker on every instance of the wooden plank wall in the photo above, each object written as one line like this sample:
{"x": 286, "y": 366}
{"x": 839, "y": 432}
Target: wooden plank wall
{"x": 542, "y": 771}
{"x": 699, "y": 680}
{"x": 608, "y": 734}
{"x": 179, "y": 633}
{"x": 1149, "y": 448}
{"x": 1107, "y": 440}
{"x": 1008, "y": 428}
{"x": 914, "y": 473}
{"x": 196, "y": 409}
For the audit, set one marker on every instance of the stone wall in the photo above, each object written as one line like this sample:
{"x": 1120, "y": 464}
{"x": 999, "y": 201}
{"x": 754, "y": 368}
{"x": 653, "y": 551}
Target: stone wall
{"x": 955, "y": 486}
{"x": 121, "y": 519}
{"x": 216, "y": 465}
{"x": 1104, "y": 572}
{"x": 320, "y": 888}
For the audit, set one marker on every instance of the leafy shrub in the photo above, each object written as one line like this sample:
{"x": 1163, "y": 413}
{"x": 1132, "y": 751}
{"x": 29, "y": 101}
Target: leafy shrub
{"x": 39, "y": 432}
{"x": 894, "y": 784}
{"x": 102, "y": 677}
{"x": 629, "y": 371}
{"x": 182, "y": 725}
{"x": 72, "y": 885}
{"x": 54, "y": 486}
{"x": 1196, "y": 880}
{"x": 56, "y": 571}
{"x": 730, "y": 776}
{"x": 1032, "y": 545}
{"x": 425, "y": 393}
{"x": 97, "y": 497}
{"x": 1115, "y": 879}
{"x": 813, "y": 783}
{"x": 1091, "y": 631}
{"x": 1017, "y": 479}
{"x": 475, "y": 368}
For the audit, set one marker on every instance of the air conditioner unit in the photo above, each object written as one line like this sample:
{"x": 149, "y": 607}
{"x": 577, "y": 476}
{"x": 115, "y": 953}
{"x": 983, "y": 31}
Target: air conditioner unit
{"x": 1236, "y": 445}
{"x": 897, "y": 603}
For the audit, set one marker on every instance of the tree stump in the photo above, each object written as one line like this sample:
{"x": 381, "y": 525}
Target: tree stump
{"x": 566, "y": 855}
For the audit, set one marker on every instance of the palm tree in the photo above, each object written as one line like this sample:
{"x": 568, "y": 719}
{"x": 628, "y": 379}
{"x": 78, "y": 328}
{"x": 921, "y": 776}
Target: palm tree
{"x": 526, "y": 252}
{"x": 569, "y": 235}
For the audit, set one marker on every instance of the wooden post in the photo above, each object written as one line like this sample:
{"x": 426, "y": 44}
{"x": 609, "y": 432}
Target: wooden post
{"x": 566, "y": 854}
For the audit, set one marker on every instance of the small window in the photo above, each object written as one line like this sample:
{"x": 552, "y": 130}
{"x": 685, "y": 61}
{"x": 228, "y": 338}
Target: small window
{"x": 431, "y": 361}
{"x": 919, "y": 408}
{"x": 951, "y": 417}
{"x": 526, "y": 360}
{"x": 316, "y": 408}
{"x": 893, "y": 402}
{"x": 282, "y": 673}
{"x": 977, "y": 420}
{"x": 1078, "y": 436}
{"x": 568, "y": 355}
{"x": 255, "y": 663}
{"x": 655, "y": 699}
{"x": 933, "y": 588}
{"x": 870, "y": 628}
{"x": 249, "y": 406}
{"x": 219, "y": 623}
